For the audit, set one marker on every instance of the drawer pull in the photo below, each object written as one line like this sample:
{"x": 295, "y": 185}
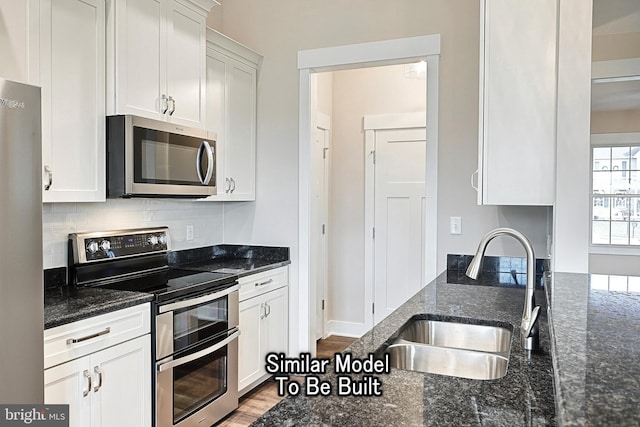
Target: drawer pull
{"x": 88, "y": 337}
{"x": 266, "y": 282}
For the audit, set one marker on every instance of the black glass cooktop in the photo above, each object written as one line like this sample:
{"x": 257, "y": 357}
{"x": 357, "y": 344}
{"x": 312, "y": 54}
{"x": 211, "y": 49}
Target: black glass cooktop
{"x": 175, "y": 284}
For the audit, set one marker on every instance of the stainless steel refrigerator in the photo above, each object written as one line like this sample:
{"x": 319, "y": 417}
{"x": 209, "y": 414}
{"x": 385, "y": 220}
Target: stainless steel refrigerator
{"x": 21, "y": 287}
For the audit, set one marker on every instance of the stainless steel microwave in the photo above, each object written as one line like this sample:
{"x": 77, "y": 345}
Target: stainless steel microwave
{"x": 151, "y": 158}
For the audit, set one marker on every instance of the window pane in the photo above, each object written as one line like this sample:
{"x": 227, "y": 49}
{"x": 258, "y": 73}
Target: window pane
{"x": 634, "y": 183}
{"x": 635, "y": 156}
{"x": 620, "y": 208}
{"x": 601, "y": 158}
{"x": 634, "y": 233}
{"x": 619, "y": 233}
{"x": 601, "y": 208}
{"x": 602, "y": 182}
{"x": 599, "y": 281}
{"x": 634, "y": 284}
{"x": 600, "y": 232}
{"x": 618, "y": 283}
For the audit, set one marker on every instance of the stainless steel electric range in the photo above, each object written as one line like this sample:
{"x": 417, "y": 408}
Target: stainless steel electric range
{"x": 195, "y": 359}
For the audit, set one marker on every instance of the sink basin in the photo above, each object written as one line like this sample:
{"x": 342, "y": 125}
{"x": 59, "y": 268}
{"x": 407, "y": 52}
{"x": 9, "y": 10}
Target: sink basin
{"x": 457, "y": 335}
{"x": 466, "y": 348}
{"x": 447, "y": 361}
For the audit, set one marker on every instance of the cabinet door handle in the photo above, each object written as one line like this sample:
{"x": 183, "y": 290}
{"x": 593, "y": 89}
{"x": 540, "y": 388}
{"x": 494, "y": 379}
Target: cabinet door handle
{"x": 475, "y": 187}
{"x": 173, "y": 105}
{"x": 164, "y": 104}
{"x": 266, "y": 282}
{"x": 227, "y": 185}
{"x": 233, "y": 186}
{"x": 268, "y": 308}
{"x": 98, "y": 371}
{"x": 87, "y": 375}
{"x": 263, "y": 310}
{"x": 49, "y": 181}
{"x": 88, "y": 337}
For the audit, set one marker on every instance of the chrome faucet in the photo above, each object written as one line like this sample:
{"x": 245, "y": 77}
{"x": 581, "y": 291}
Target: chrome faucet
{"x": 529, "y": 334}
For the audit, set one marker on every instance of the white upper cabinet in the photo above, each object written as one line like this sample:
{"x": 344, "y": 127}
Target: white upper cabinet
{"x": 68, "y": 63}
{"x": 156, "y": 65}
{"x": 517, "y": 125}
{"x": 231, "y": 112}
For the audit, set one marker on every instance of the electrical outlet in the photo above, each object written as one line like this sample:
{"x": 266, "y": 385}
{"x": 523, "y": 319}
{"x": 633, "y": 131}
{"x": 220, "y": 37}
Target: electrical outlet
{"x": 189, "y": 232}
{"x": 455, "y": 226}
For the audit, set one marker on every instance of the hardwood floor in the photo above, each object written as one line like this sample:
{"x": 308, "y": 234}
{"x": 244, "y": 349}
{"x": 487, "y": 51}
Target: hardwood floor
{"x": 258, "y": 401}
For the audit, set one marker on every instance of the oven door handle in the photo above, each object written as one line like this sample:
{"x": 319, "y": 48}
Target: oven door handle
{"x": 199, "y": 300}
{"x": 186, "y": 359}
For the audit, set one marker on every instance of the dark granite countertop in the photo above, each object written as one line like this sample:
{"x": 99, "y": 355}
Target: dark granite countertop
{"x": 67, "y": 304}
{"x": 524, "y": 396}
{"x": 596, "y": 348}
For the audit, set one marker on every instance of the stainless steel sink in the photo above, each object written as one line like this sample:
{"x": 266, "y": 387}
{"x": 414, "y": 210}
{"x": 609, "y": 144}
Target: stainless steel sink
{"x": 458, "y": 335}
{"x": 447, "y": 361}
{"x": 451, "y": 346}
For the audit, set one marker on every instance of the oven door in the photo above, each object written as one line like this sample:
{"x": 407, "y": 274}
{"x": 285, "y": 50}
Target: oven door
{"x": 187, "y": 323}
{"x": 200, "y": 386}
{"x": 165, "y": 159}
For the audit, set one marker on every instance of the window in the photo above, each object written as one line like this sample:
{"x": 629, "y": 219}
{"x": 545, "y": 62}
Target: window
{"x": 615, "y": 199}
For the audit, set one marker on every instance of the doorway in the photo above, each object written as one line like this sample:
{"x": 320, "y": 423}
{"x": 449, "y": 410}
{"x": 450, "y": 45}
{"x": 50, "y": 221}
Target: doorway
{"x": 388, "y": 52}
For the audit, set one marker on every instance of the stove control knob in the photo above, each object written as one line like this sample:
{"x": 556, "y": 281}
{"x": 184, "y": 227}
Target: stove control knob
{"x": 163, "y": 239}
{"x": 92, "y": 247}
{"x": 153, "y": 240}
{"x": 105, "y": 245}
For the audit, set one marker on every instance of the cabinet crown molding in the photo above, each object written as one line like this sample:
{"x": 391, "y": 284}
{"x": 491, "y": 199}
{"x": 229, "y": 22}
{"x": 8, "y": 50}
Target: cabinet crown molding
{"x": 227, "y": 46}
{"x": 203, "y": 7}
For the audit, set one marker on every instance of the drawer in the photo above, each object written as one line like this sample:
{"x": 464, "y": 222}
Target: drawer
{"x": 259, "y": 283}
{"x": 77, "y": 339}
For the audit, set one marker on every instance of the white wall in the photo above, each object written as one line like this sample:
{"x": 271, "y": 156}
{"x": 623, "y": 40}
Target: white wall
{"x": 278, "y": 30}
{"x": 60, "y": 219}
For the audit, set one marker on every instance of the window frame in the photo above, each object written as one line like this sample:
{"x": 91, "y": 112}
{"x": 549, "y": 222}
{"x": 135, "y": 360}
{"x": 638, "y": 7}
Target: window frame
{"x": 609, "y": 140}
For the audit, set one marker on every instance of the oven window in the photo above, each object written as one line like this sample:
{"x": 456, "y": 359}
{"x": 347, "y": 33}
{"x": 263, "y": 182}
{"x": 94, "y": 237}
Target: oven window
{"x": 198, "y": 382}
{"x": 192, "y": 325}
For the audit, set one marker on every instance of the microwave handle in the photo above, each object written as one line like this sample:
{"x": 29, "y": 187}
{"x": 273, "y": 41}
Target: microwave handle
{"x": 205, "y": 147}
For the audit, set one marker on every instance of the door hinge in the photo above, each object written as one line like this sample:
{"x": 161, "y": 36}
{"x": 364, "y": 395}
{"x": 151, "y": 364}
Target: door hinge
{"x": 324, "y": 152}
{"x": 373, "y": 232}
{"x": 323, "y": 304}
{"x": 373, "y": 156}
{"x": 373, "y": 308}
{"x": 324, "y": 228}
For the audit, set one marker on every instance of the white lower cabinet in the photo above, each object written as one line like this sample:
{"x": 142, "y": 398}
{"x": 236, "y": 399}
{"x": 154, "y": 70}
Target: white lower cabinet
{"x": 110, "y": 387}
{"x": 264, "y": 327}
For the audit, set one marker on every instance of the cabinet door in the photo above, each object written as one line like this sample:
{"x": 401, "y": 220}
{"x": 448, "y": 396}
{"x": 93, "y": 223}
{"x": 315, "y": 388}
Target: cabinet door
{"x": 139, "y": 31}
{"x": 123, "y": 398}
{"x": 186, "y": 62}
{"x": 251, "y": 359}
{"x": 215, "y": 111}
{"x": 71, "y": 383}
{"x": 517, "y": 103}
{"x": 276, "y": 322}
{"x": 240, "y": 130}
{"x": 71, "y": 73}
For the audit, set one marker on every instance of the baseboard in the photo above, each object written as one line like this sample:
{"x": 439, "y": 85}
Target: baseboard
{"x": 346, "y": 329}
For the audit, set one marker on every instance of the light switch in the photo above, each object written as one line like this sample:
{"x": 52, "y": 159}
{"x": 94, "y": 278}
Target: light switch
{"x": 455, "y": 225}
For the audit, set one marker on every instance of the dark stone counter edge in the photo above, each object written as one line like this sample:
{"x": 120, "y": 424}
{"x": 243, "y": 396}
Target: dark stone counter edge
{"x": 57, "y": 313}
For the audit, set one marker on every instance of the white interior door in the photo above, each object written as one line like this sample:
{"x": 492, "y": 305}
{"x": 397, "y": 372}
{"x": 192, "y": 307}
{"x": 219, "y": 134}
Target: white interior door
{"x": 319, "y": 221}
{"x": 399, "y": 217}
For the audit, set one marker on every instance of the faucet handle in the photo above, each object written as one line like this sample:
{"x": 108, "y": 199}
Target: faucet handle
{"x": 533, "y": 319}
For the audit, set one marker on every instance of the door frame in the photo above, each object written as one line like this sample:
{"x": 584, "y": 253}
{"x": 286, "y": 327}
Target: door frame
{"x": 361, "y": 55}
{"x": 372, "y": 124}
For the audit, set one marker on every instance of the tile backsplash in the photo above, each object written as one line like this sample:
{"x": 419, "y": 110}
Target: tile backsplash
{"x": 60, "y": 219}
